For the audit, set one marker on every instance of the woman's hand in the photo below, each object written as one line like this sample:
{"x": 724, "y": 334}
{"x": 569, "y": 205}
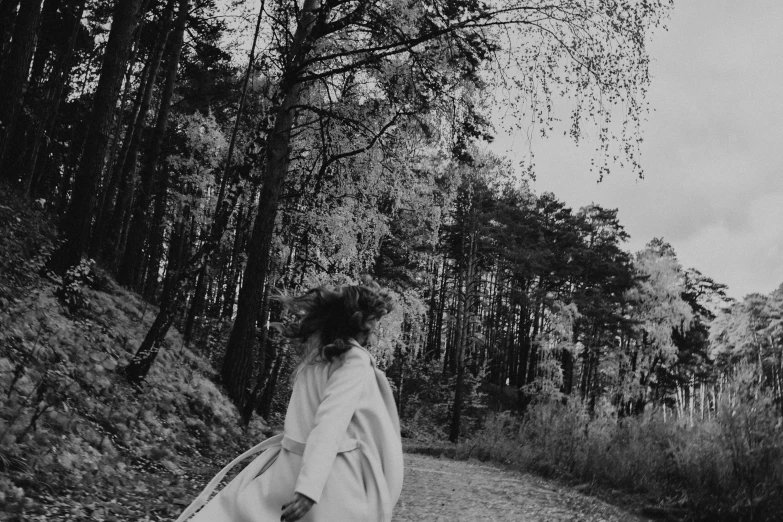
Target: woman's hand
{"x": 297, "y": 508}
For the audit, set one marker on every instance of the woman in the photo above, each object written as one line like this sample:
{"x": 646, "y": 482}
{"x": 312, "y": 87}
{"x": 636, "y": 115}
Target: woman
{"x": 340, "y": 456}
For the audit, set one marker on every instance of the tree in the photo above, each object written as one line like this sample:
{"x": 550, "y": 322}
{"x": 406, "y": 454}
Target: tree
{"x": 138, "y": 229}
{"x": 123, "y": 179}
{"x": 229, "y": 193}
{"x": 237, "y": 366}
{"x": 474, "y": 209}
{"x": 407, "y": 57}
{"x": 658, "y": 310}
{"x": 77, "y": 223}
{"x": 52, "y": 97}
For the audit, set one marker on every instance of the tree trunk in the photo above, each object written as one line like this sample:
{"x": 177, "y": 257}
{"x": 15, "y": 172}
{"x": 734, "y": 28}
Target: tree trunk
{"x": 567, "y": 365}
{"x": 7, "y": 19}
{"x": 267, "y": 399}
{"x": 235, "y": 266}
{"x": 140, "y": 365}
{"x": 133, "y": 258}
{"x": 196, "y": 305}
{"x": 111, "y": 180}
{"x": 45, "y": 45}
{"x": 275, "y": 136}
{"x": 464, "y": 290}
{"x": 242, "y": 98}
{"x": 148, "y": 281}
{"x": 432, "y": 352}
{"x": 438, "y": 335}
{"x": 400, "y": 382}
{"x": 20, "y": 141}
{"x": 267, "y": 353}
{"x": 126, "y": 171}
{"x": 524, "y": 345}
{"x": 78, "y": 219}
{"x": 50, "y": 108}
{"x": 14, "y": 78}
{"x": 533, "y": 363}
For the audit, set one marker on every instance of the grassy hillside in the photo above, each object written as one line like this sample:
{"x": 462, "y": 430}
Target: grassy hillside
{"x": 76, "y": 441}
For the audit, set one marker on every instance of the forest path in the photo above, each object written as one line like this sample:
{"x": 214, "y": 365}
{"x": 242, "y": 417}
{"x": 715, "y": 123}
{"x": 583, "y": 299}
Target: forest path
{"x": 445, "y": 490}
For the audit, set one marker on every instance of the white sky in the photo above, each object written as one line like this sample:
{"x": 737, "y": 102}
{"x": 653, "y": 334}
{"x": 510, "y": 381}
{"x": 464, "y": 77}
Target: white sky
{"x": 712, "y": 152}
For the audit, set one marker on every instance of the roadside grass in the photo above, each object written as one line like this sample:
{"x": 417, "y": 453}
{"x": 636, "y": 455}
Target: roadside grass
{"x": 727, "y": 468}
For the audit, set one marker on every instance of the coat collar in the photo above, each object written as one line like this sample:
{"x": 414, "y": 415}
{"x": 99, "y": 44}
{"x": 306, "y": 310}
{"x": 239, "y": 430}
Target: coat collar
{"x": 355, "y": 343}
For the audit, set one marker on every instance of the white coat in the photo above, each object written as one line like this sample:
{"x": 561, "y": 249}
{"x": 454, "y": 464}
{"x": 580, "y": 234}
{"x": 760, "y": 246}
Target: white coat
{"x": 341, "y": 447}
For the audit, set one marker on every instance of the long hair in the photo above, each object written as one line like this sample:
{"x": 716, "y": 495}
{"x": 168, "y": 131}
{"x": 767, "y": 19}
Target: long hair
{"x": 330, "y": 318}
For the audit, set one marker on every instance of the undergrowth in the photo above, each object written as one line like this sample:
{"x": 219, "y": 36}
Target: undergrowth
{"x": 726, "y": 468}
{"x": 426, "y": 400}
{"x": 76, "y": 441}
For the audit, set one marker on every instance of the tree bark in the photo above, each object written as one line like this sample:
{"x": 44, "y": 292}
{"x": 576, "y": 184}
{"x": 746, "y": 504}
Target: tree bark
{"x": 140, "y": 365}
{"x": 78, "y": 220}
{"x": 196, "y": 305}
{"x": 14, "y": 78}
{"x": 236, "y": 371}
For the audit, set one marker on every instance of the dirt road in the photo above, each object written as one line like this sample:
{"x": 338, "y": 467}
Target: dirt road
{"x": 442, "y": 490}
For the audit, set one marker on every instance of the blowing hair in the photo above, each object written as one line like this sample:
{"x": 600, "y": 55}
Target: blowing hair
{"x": 329, "y": 319}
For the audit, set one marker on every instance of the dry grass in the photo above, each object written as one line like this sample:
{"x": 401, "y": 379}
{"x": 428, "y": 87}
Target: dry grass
{"x": 727, "y": 468}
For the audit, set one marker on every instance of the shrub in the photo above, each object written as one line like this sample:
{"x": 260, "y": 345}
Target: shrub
{"x": 72, "y": 286}
{"x": 428, "y": 396}
{"x": 726, "y": 468}
{"x": 70, "y": 425}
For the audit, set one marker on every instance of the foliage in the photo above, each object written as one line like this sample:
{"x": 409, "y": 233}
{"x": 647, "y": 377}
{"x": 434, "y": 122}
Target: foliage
{"x": 727, "y": 468}
{"x": 751, "y": 331}
{"x": 26, "y": 237}
{"x": 426, "y": 400}
{"x": 79, "y": 442}
{"x": 74, "y": 281}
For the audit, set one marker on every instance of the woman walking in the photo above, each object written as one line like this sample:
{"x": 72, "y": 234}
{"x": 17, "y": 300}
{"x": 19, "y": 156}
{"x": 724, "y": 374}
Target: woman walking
{"x": 340, "y": 456}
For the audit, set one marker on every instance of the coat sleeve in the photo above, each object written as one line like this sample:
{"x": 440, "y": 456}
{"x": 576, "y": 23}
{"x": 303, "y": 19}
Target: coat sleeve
{"x": 341, "y": 398}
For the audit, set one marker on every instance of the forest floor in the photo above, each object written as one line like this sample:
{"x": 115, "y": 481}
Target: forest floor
{"x": 437, "y": 489}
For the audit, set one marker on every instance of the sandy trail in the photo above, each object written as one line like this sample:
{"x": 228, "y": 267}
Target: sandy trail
{"x": 455, "y": 491}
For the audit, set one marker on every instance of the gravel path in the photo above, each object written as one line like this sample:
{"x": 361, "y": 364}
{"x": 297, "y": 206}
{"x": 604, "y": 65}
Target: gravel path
{"x": 456, "y": 491}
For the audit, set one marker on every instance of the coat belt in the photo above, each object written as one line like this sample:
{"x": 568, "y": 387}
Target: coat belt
{"x": 350, "y": 444}
{"x": 294, "y": 446}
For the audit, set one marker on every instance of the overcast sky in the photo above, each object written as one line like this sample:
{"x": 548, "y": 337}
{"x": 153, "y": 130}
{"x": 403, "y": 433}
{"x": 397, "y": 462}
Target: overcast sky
{"x": 713, "y": 149}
